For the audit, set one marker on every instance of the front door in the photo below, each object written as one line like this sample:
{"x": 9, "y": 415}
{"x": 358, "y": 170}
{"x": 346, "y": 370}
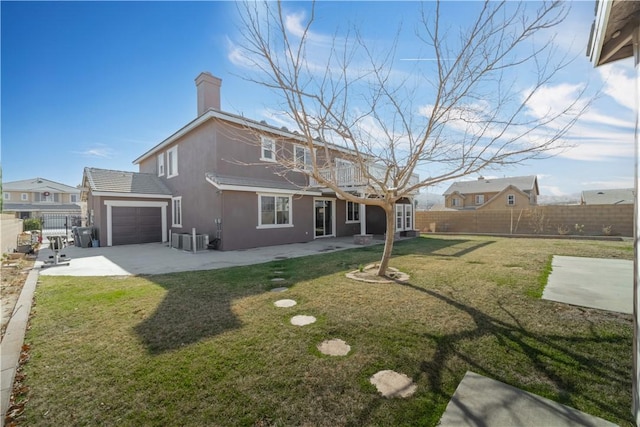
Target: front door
{"x": 324, "y": 217}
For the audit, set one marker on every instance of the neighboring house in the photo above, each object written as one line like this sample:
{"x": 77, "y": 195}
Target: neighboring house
{"x": 498, "y": 193}
{"x": 42, "y": 198}
{"x": 220, "y": 175}
{"x": 623, "y": 196}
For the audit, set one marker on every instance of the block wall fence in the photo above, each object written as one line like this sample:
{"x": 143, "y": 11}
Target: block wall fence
{"x": 547, "y": 220}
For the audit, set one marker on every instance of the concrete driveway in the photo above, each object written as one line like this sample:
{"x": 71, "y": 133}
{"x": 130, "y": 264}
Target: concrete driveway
{"x": 158, "y": 258}
{"x": 606, "y": 284}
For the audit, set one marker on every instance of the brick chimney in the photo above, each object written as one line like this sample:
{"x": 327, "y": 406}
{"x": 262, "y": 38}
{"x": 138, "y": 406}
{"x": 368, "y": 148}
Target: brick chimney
{"x": 208, "y": 87}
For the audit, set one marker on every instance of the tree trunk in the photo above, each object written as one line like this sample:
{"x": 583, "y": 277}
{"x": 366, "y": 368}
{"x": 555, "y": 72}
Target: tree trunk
{"x": 388, "y": 241}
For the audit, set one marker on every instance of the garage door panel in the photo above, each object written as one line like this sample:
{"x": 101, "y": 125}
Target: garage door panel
{"x": 131, "y": 225}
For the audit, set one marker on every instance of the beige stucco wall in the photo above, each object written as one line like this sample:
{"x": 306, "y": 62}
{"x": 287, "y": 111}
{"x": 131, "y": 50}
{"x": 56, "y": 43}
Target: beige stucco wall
{"x": 520, "y": 221}
{"x": 11, "y": 227}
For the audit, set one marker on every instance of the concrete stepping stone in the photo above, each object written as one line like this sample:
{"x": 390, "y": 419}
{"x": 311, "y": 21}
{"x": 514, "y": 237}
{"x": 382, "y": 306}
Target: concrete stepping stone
{"x": 393, "y": 384}
{"x": 284, "y": 303}
{"x": 281, "y": 289}
{"x": 278, "y": 272}
{"x": 334, "y": 347}
{"x": 278, "y": 279}
{"x": 302, "y": 320}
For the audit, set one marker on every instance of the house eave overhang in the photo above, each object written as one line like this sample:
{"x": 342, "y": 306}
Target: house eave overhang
{"x": 256, "y": 189}
{"x": 130, "y": 195}
{"x": 612, "y": 31}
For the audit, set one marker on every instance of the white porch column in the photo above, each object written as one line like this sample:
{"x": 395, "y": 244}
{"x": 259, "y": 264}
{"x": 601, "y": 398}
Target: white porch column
{"x": 636, "y": 232}
{"x": 363, "y": 217}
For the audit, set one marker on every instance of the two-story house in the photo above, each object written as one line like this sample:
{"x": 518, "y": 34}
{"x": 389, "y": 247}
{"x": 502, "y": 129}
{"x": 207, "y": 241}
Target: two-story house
{"x": 223, "y": 175}
{"x": 495, "y": 193}
{"x": 41, "y": 198}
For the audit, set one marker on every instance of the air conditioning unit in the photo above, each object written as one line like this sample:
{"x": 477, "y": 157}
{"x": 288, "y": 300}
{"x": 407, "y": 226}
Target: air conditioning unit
{"x": 202, "y": 240}
{"x": 186, "y": 242}
{"x": 176, "y": 241}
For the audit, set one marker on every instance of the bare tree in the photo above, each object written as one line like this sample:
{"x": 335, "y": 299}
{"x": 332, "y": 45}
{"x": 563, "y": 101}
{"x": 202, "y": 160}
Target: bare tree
{"x": 459, "y": 112}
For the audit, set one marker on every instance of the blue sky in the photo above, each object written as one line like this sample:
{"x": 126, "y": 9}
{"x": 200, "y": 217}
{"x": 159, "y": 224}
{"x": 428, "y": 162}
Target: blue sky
{"x": 97, "y": 84}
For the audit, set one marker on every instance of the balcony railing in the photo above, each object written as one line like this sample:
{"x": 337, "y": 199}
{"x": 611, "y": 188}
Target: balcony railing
{"x": 356, "y": 175}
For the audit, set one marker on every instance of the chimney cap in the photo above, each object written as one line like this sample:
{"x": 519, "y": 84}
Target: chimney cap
{"x": 206, "y": 76}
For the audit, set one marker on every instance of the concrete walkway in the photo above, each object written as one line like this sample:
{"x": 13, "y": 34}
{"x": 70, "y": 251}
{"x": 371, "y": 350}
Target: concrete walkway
{"x": 13, "y": 339}
{"x": 158, "y": 258}
{"x": 481, "y": 402}
{"x": 606, "y": 284}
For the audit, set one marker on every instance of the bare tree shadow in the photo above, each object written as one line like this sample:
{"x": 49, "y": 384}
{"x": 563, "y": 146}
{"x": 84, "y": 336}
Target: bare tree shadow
{"x": 539, "y": 348}
{"x": 189, "y": 312}
{"x": 198, "y": 304}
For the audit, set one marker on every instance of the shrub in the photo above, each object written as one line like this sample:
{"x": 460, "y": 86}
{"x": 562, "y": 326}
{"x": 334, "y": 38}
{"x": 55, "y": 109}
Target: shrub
{"x": 31, "y": 224}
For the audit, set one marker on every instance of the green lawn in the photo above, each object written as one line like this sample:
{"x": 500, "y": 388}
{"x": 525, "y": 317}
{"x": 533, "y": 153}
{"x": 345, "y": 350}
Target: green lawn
{"x": 210, "y": 348}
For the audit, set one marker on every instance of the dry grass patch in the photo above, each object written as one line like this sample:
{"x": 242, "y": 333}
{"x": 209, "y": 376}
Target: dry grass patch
{"x": 210, "y": 348}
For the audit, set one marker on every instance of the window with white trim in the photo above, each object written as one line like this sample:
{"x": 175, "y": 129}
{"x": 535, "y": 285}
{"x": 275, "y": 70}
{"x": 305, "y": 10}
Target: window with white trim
{"x": 479, "y": 199}
{"x": 24, "y": 197}
{"x": 274, "y": 211}
{"x": 455, "y": 201}
{"x": 6, "y": 196}
{"x": 176, "y": 211}
{"x": 302, "y": 157}
{"x": 73, "y": 198}
{"x": 172, "y": 162}
{"x": 161, "y": 164}
{"x": 267, "y": 149}
{"x": 353, "y": 212}
{"x": 399, "y": 217}
{"x": 408, "y": 217}
{"x": 511, "y": 200}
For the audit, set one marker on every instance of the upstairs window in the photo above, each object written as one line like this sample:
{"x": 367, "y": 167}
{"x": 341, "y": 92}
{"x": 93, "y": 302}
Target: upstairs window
{"x": 267, "y": 149}
{"x": 302, "y": 157}
{"x": 73, "y": 198}
{"x": 479, "y": 199}
{"x": 172, "y": 162}
{"x": 24, "y": 197}
{"x": 6, "y": 196}
{"x": 353, "y": 212}
{"x": 511, "y": 200}
{"x": 161, "y": 164}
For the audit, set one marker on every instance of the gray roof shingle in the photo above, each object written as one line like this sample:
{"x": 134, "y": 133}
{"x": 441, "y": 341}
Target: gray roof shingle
{"x": 620, "y": 196}
{"x": 38, "y": 185}
{"x": 27, "y": 207}
{"x": 251, "y": 182}
{"x": 112, "y": 181}
{"x": 481, "y": 185}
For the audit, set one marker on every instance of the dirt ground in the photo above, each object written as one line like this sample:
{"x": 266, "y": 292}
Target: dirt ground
{"x": 14, "y": 273}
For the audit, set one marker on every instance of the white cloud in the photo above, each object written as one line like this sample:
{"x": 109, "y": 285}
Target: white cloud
{"x": 619, "y": 84}
{"x": 599, "y": 151}
{"x": 554, "y": 99}
{"x": 613, "y": 182}
{"x": 98, "y": 151}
